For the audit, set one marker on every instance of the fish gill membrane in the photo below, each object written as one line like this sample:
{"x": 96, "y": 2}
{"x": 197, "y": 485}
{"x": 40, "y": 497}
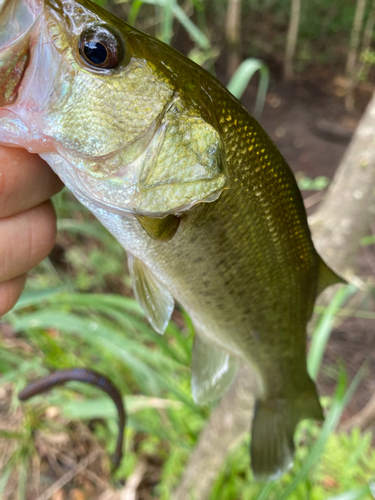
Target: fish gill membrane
{"x": 190, "y": 185}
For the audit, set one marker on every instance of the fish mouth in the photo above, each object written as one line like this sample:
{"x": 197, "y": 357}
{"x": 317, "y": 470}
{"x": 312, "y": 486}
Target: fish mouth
{"x": 18, "y": 18}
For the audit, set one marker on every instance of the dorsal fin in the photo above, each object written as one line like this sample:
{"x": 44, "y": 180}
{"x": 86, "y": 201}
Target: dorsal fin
{"x": 151, "y": 294}
{"x": 326, "y": 277}
{"x": 212, "y": 371}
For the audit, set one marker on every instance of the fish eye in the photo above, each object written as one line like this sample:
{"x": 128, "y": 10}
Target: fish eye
{"x": 99, "y": 48}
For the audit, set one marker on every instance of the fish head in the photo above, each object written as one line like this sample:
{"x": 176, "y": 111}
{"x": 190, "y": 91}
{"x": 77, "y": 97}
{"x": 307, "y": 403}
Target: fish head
{"x": 122, "y": 118}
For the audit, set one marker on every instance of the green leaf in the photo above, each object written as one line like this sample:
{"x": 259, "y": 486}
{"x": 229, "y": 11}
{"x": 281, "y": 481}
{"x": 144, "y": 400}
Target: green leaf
{"x": 242, "y": 77}
{"x": 367, "y": 240}
{"x": 317, "y": 184}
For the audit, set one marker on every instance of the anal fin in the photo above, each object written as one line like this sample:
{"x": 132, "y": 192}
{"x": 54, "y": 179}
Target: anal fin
{"x": 274, "y": 423}
{"x": 151, "y": 294}
{"x": 212, "y": 371}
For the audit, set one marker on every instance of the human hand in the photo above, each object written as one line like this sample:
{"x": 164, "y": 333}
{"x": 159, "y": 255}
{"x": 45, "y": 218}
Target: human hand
{"x": 27, "y": 219}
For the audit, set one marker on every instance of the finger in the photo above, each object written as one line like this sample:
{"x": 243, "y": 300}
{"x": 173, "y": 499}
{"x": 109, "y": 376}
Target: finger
{"x": 25, "y": 181}
{"x": 10, "y": 292}
{"x": 26, "y": 239}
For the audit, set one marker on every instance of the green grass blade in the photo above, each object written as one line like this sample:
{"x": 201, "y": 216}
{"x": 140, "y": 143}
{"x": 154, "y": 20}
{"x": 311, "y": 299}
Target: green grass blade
{"x": 11, "y": 435}
{"x": 130, "y": 318}
{"x": 92, "y": 229}
{"x": 5, "y": 478}
{"x": 242, "y": 77}
{"x": 347, "y": 312}
{"x": 265, "y": 491}
{"x": 94, "y": 330}
{"x": 356, "y": 494}
{"x": 195, "y": 33}
{"x": 167, "y": 23}
{"x": 125, "y": 312}
{"x": 36, "y": 297}
{"x": 134, "y": 10}
{"x": 323, "y": 329}
{"x": 97, "y": 300}
{"x": 105, "y": 408}
{"x": 22, "y": 478}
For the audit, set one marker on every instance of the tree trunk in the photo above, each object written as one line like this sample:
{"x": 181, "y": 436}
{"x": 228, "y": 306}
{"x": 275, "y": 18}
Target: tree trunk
{"x": 343, "y": 216}
{"x": 233, "y": 35}
{"x": 337, "y": 227}
{"x": 369, "y": 28}
{"x": 291, "y": 41}
{"x": 353, "y": 53}
{"x": 355, "y": 37}
{"x": 228, "y": 422}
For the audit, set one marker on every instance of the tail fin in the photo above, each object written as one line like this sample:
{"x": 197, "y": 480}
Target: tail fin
{"x": 274, "y": 423}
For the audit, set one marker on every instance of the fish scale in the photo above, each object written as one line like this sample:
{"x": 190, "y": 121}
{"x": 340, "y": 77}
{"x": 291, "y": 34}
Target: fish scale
{"x": 192, "y": 187}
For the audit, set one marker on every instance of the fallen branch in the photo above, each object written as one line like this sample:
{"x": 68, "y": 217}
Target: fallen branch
{"x": 77, "y": 469}
{"x": 363, "y": 419}
{"x": 94, "y": 478}
{"x": 129, "y": 492}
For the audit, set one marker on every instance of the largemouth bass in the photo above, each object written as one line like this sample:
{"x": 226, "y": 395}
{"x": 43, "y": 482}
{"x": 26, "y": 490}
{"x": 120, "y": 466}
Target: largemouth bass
{"x": 192, "y": 187}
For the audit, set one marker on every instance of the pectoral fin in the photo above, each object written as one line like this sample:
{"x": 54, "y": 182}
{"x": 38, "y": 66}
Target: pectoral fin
{"x": 326, "y": 278}
{"x": 160, "y": 229}
{"x": 212, "y": 371}
{"x": 151, "y": 294}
